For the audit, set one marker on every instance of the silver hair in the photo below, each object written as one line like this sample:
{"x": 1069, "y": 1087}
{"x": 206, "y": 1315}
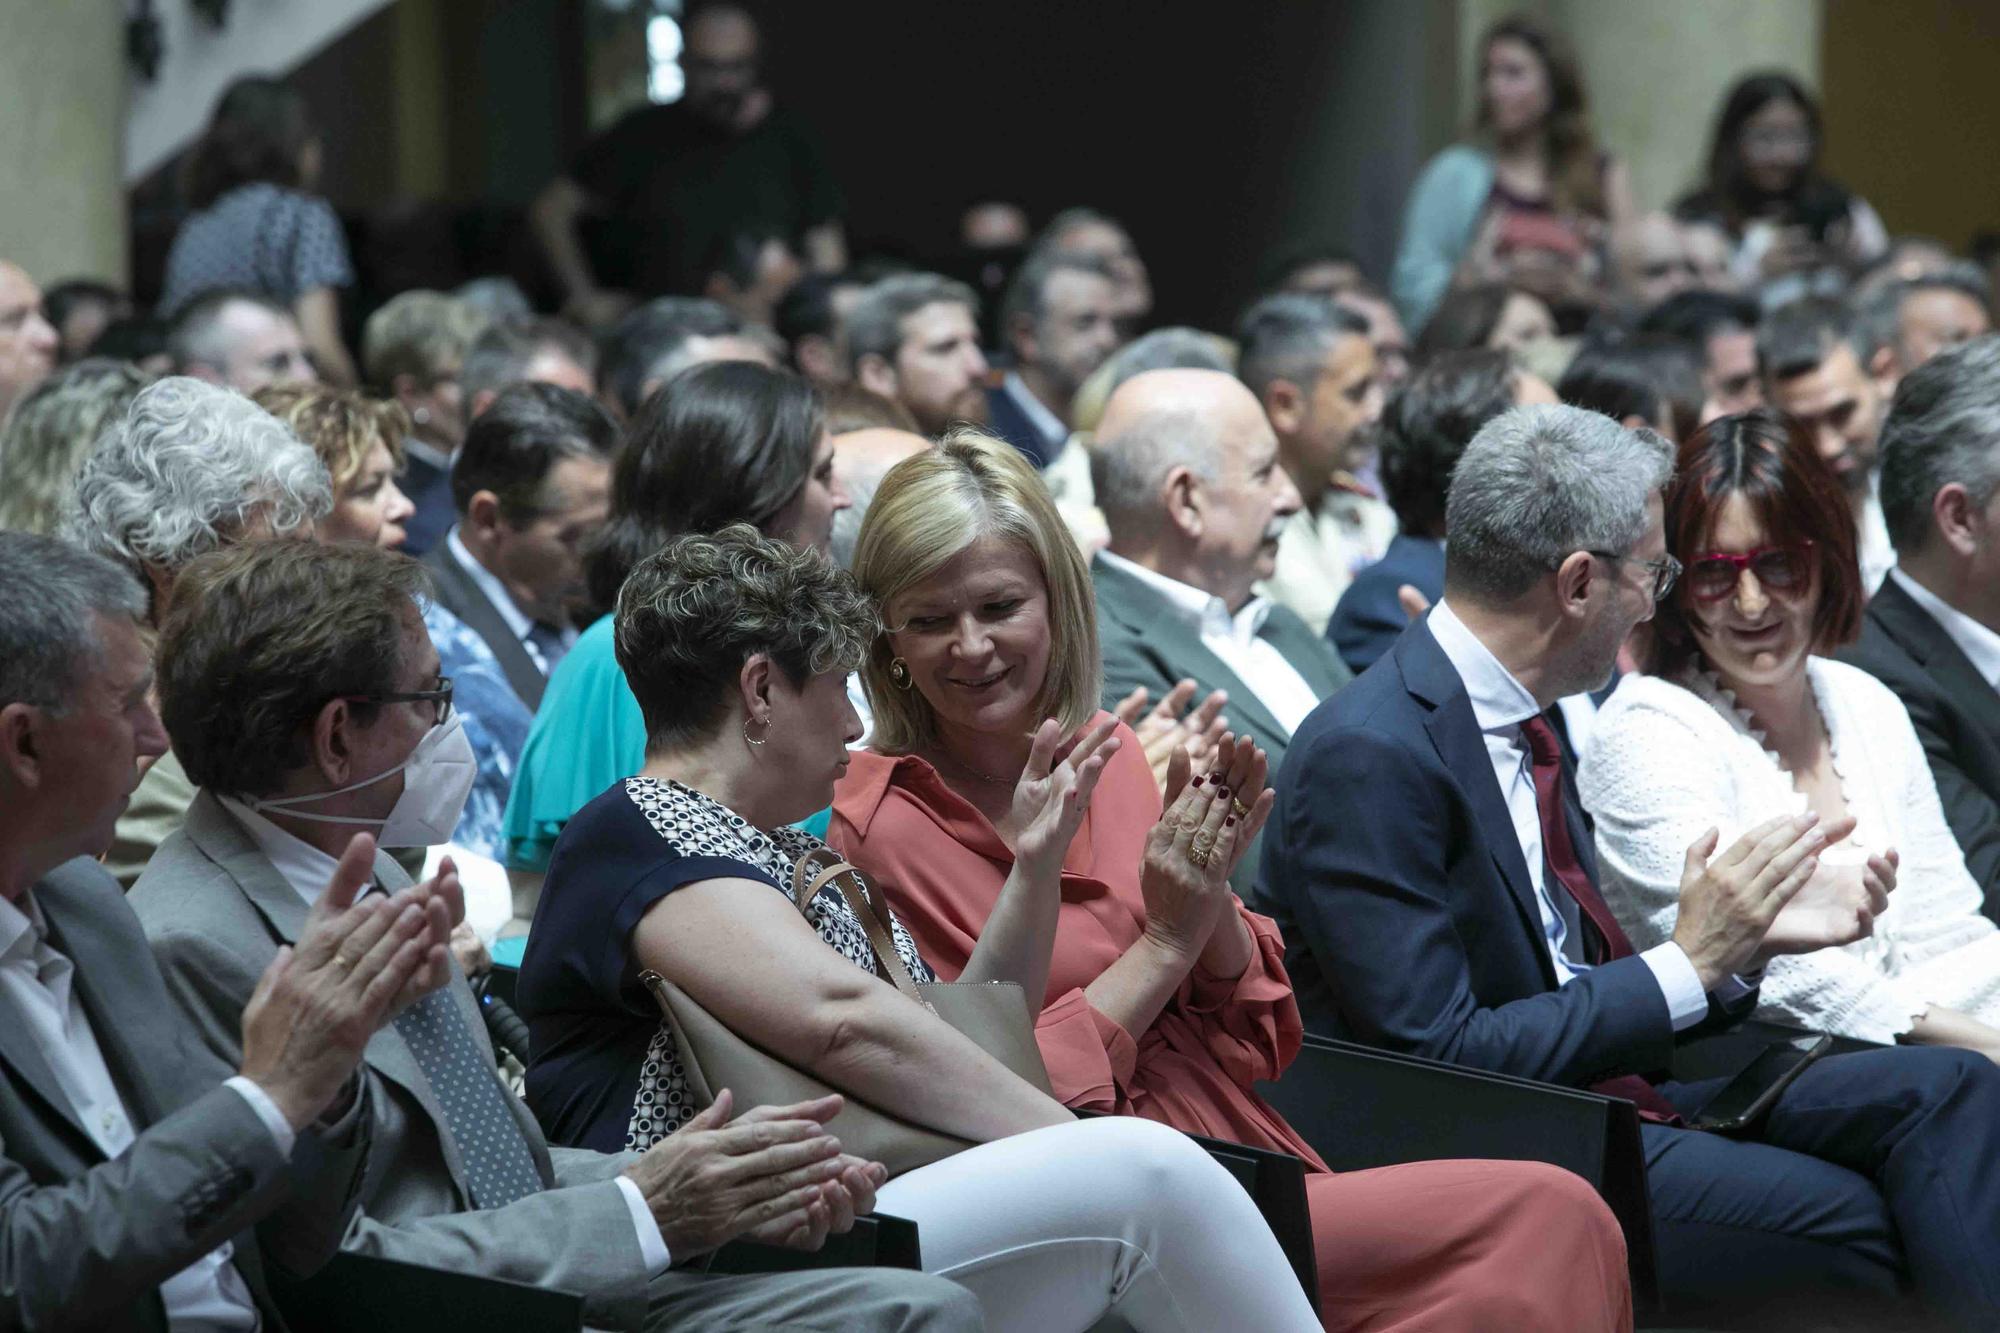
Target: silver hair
{"x": 1943, "y": 427}
{"x": 1176, "y": 347}
{"x": 183, "y": 473}
{"x": 1127, "y": 469}
{"x": 875, "y": 325}
{"x": 861, "y": 482}
{"x": 48, "y": 629}
{"x": 1286, "y": 335}
{"x": 50, "y": 430}
{"x": 1878, "y": 319}
{"x": 1537, "y": 484}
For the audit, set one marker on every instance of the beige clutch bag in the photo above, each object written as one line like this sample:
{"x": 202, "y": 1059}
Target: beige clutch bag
{"x": 995, "y": 1015}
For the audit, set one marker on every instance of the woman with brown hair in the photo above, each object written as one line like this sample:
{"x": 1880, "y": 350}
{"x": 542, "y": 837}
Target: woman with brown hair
{"x": 1164, "y": 997}
{"x": 1533, "y": 203}
{"x": 1746, "y": 718}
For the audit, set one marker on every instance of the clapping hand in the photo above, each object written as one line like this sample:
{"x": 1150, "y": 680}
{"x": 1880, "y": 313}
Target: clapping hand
{"x": 1197, "y": 842}
{"x": 1173, "y": 725}
{"x": 356, "y": 965}
{"x": 1837, "y": 906}
{"x": 1052, "y": 795}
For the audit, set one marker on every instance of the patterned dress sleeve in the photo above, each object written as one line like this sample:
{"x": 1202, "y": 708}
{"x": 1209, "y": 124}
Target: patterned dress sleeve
{"x": 319, "y": 256}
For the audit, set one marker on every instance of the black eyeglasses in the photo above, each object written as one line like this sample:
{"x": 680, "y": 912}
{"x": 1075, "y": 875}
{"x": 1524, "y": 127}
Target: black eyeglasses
{"x": 1665, "y": 570}
{"x": 439, "y": 698}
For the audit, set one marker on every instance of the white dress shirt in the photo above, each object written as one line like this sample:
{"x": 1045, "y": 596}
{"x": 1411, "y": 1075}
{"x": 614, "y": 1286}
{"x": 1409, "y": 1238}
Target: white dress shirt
{"x": 1980, "y": 645}
{"x": 36, "y": 992}
{"x": 1235, "y": 639}
{"x": 1874, "y": 550}
{"x": 308, "y": 869}
{"x": 518, "y": 621}
{"x": 1501, "y": 704}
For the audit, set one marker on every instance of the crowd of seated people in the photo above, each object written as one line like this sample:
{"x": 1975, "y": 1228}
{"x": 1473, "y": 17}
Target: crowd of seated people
{"x": 1560, "y": 655}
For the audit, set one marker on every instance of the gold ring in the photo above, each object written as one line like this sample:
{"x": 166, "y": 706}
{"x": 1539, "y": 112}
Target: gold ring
{"x": 1198, "y": 857}
{"x": 1237, "y": 808}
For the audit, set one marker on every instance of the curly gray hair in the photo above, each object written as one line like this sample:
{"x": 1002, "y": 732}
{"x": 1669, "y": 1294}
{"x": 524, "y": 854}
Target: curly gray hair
{"x": 51, "y": 429}
{"x": 692, "y": 613}
{"x": 188, "y": 469}
{"x": 1539, "y": 483}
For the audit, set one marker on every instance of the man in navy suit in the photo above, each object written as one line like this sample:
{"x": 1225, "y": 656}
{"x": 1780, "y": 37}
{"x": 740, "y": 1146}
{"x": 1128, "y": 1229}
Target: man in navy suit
{"x": 1431, "y": 869}
{"x": 1424, "y": 429}
{"x": 1060, "y": 322}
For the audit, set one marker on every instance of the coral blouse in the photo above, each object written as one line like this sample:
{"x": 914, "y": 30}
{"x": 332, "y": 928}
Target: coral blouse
{"x": 943, "y": 865}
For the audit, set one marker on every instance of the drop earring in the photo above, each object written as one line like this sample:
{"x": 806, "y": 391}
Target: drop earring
{"x": 899, "y": 673}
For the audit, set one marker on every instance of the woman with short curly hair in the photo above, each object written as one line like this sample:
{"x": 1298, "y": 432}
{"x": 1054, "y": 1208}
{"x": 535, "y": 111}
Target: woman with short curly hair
{"x": 737, "y": 647}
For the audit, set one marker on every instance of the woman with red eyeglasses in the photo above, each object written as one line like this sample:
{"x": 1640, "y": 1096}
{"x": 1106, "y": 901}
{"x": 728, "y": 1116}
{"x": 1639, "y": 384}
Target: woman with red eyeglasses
{"x": 1744, "y": 717}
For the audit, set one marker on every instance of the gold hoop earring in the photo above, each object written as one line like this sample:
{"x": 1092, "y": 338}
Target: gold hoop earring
{"x": 748, "y": 739}
{"x": 899, "y": 673}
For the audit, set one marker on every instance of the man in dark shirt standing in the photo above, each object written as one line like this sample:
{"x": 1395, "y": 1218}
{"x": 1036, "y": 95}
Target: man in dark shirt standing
{"x": 667, "y": 184}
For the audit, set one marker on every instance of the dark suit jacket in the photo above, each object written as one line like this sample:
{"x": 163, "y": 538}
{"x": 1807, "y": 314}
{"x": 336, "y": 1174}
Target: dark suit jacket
{"x": 1393, "y": 869}
{"x": 1005, "y": 420}
{"x": 1368, "y": 618}
{"x": 429, "y": 489}
{"x": 1143, "y": 643}
{"x": 1956, "y": 714}
{"x": 85, "y": 1242}
{"x": 459, "y": 595}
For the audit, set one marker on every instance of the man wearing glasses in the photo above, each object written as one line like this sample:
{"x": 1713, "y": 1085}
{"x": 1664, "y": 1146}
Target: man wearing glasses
{"x": 305, "y": 700}
{"x": 1434, "y": 877}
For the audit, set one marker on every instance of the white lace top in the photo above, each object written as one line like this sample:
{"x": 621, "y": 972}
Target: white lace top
{"x": 1668, "y": 761}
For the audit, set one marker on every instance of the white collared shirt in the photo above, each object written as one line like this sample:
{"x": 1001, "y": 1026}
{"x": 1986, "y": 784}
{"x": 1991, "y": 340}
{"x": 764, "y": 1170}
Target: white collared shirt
{"x": 1980, "y": 645}
{"x": 36, "y": 992}
{"x": 1046, "y": 423}
{"x": 1500, "y": 704}
{"x": 1235, "y": 640}
{"x": 519, "y": 622}
{"x": 1872, "y": 547}
{"x": 308, "y": 869}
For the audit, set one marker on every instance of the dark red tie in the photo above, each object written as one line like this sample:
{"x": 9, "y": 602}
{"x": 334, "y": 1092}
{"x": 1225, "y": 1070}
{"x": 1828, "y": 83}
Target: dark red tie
{"x": 1606, "y": 940}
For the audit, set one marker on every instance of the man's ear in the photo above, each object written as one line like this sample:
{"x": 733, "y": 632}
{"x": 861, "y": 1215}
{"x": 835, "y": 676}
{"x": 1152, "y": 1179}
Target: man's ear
{"x": 482, "y": 513}
{"x": 405, "y": 389}
{"x": 201, "y": 370}
{"x": 333, "y": 742}
{"x": 875, "y": 374}
{"x": 1575, "y": 577}
{"x": 20, "y": 745}
{"x": 1885, "y": 368}
{"x": 1956, "y": 519}
{"x": 1285, "y": 405}
{"x": 1181, "y": 501}
{"x": 1021, "y": 337}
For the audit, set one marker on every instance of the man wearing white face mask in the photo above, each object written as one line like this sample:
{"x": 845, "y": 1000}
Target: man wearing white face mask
{"x": 303, "y": 695}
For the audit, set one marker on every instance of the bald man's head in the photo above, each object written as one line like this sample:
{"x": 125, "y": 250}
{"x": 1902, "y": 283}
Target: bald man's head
{"x": 861, "y": 458}
{"x": 1186, "y": 470}
{"x": 28, "y": 341}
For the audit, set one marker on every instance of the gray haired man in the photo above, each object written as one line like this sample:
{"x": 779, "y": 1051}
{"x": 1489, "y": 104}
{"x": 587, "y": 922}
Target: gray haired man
{"x": 1932, "y": 631}
{"x": 134, "y": 1165}
{"x": 1433, "y": 874}
{"x": 192, "y": 467}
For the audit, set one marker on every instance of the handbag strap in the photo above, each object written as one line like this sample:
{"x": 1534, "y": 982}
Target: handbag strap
{"x": 872, "y": 915}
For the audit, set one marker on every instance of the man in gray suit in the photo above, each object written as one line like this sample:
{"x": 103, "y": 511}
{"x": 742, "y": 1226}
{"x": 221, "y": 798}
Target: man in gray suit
{"x": 134, "y": 1164}
{"x": 301, "y": 691}
{"x": 1187, "y": 472}
{"x": 532, "y": 483}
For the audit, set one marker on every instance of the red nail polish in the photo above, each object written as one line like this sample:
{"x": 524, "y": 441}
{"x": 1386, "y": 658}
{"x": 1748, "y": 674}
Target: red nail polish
{"x": 1199, "y": 781}
{"x": 1222, "y": 793}
{"x": 1229, "y": 822}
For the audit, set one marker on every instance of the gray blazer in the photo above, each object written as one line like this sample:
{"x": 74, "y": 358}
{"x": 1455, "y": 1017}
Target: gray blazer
{"x": 216, "y": 911}
{"x": 458, "y": 594}
{"x": 1144, "y": 645}
{"x": 85, "y": 1242}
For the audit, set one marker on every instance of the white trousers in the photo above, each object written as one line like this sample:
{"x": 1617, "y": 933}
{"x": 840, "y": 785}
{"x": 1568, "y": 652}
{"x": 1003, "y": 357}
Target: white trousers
{"x": 1055, "y": 1228}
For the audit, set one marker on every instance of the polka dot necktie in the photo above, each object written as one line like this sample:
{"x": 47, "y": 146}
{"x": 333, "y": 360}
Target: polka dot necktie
{"x": 498, "y": 1166}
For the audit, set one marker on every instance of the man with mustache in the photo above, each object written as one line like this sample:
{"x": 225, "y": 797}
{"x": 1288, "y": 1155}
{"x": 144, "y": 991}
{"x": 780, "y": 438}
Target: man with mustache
{"x": 1187, "y": 472}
